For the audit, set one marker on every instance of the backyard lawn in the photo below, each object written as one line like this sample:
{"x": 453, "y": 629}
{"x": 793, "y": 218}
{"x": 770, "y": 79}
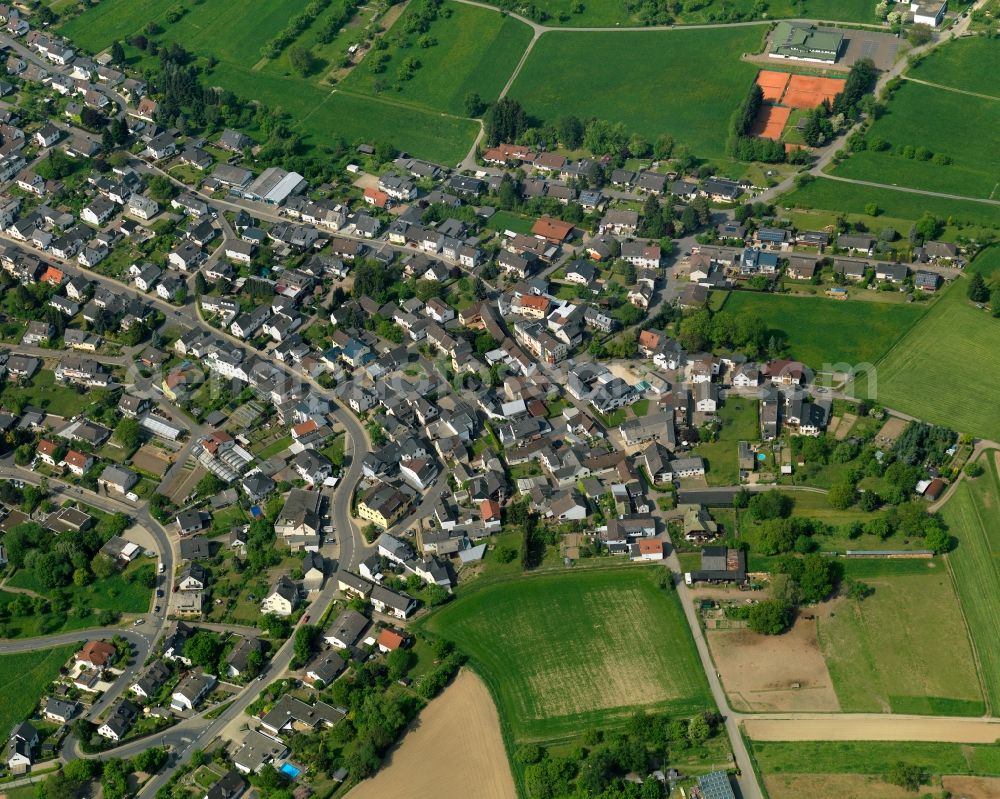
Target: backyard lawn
{"x": 904, "y": 649}
{"x": 43, "y": 392}
{"x": 581, "y": 74}
{"x": 739, "y": 423}
{"x": 822, "y": 331}
{"x": 567, "y": 651}
{"x": 31, "y": 672}
{"x": 926, "y": 356}
{"x": 971, "y": 518}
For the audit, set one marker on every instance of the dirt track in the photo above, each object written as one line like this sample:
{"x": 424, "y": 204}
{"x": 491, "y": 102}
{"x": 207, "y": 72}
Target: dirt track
{"x": 454, "y": 751}
{"x": 852, "y": 727}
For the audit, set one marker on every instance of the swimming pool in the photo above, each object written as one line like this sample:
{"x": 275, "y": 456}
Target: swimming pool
{"x": 291, "y": 771}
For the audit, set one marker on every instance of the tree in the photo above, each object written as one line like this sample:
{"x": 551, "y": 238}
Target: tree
{"x": 569, "y": 129}
{"x": 117, "y": 53}
{"x": 770, "y": 617}
{"x": 306, "y": 637}
{"x": 698, "y": 730}
{"x": 301, "y": 59}
{"x": 977, "y": 290}
{"x": 816, "y": 578}
{"x": 919, "y": 34}
{"x": 474, "y": 105}
{"x": 399, "y": 662}
{"x": 771, "y": 504}
{"x": 906, "y": 776}
{"x": 129, "y": 433}
{"x": 937, "y": 539}
{"x": 200, "y": 284}
{"x": 203, "y": 649}
{"x": 841, "y": 495}
{"x": 505, "y": 121}
{"x": 161, "y": 188}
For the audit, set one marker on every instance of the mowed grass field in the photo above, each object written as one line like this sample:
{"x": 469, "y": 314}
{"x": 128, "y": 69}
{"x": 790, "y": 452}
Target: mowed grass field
{"x": 586, "y": 74}
{"x": 212, "y": 28}
{"x": 874, "y": 757}
{"x": 477, "y": 50}
{"x": 954, "y": 348}
{"x": 569, "y": 651}
{"x": 971, "y": 515}
{"x": 922, "y": 116}
{"x": 848, "y": 198}
{"x": 969, "y": 64}
{"x": 31, "y": 672}
{"x": 820, "y": 330}
{"x": 903, "y": 650}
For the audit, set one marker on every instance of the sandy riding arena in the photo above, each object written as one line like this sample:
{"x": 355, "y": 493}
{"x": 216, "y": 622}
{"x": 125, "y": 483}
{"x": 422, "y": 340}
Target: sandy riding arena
{"x": 455, "y": 744}
{"x": 763, "y": 673}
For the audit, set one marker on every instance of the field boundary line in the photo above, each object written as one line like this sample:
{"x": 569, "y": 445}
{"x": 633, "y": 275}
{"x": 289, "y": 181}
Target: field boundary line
{"x": 951, "y": 89}
{"x": 404, "y": 105}
{"x": 968, "y": 632}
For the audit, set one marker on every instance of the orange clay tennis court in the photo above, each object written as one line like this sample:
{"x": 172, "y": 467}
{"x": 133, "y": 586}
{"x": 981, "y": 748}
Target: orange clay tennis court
{"x": 807, "y": 91}
{"x": 770, "y": 122}
{"x": 773, "y": 84}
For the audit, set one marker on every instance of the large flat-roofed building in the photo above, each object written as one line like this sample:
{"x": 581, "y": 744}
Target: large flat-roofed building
{"x": 275, "y": 185}
{"x": 805, "y": 43}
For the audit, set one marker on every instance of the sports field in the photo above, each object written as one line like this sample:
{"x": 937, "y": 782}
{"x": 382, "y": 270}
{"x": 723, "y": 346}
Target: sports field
{"x": 820, "y": 331}
{"x": 954, "y": 346}
{"x": 211, "y": 28}
{"x": 31, "y": 672}
{"x": 568, "y": 651}
{"x": 839, "y": 197}
{"x": 969, "y": 64}
{"x": 582, "y": 74}
{"x": 904, "y": 649}
{"x": 971, "y": 146}
{"x": 476, "y": 51}
{"x": 971, "y": 515}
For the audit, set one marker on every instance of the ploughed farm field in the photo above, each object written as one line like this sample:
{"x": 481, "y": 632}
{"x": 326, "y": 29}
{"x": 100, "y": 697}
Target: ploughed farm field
{"x": 568, "y": 651}
{"x": 583, "y": 74}
{"x": 953, "y": 347}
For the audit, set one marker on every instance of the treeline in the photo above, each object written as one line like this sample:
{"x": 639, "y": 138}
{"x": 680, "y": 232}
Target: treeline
{"x": 742, "y": 144}
{"x": 296, "y": 25}
{"x": 860, "y": 82}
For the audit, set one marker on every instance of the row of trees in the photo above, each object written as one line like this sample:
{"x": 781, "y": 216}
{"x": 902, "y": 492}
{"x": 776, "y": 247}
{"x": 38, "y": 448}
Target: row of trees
{"x": 296, "y": 25}
{"x": 742, "y": 144}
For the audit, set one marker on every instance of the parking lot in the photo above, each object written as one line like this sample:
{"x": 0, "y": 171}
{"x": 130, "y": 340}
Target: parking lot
{"x": 880, "y": 47}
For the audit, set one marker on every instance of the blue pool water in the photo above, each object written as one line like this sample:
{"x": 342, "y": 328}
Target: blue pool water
{"x": 290, "y": 770}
